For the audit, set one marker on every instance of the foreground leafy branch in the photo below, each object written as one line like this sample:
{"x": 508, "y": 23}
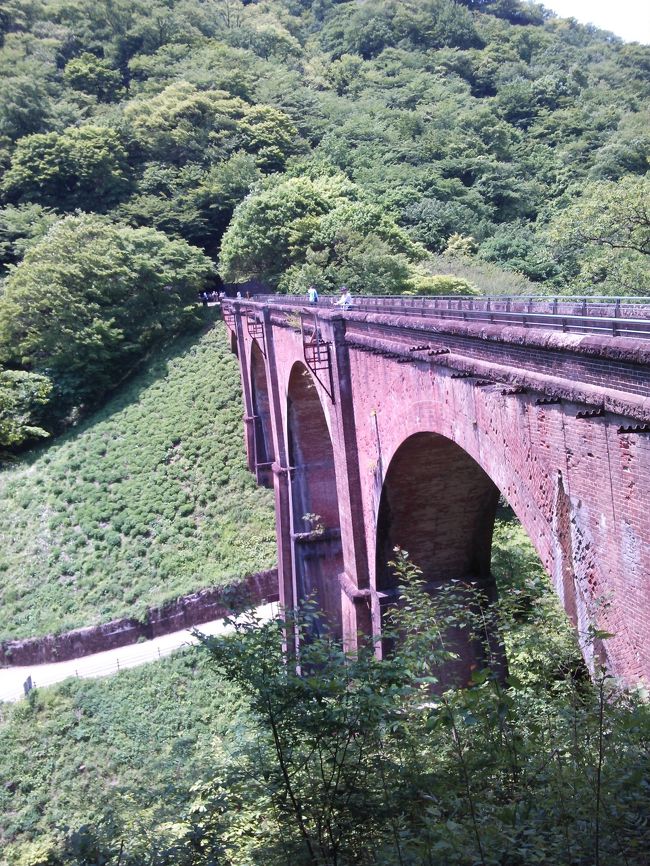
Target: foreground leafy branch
{"x": 367, "y": 762}
{"x": 338, "y": 759}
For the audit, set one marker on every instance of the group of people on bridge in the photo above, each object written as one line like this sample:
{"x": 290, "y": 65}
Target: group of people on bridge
{"x": 210, "y": 297}
{"x": 345, "y": 301}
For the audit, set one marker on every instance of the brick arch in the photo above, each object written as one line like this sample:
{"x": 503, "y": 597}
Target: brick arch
{"x": 514, "y": 475}
{"x": 536, "y": 492}
{"x": 262, "y": 427}
{"x": 318, "y": 555}
{"x": 439, "y": 504}
{"x": 558, "y": 421}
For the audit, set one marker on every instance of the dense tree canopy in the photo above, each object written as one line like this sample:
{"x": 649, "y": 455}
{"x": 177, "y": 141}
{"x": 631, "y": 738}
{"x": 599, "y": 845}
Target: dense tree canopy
{"x": 20, "y": 227}
{"x": 271, "y": 228}
{"x": 90, "y": 74}
{"x": 182, "y": 122}
{"x": 91, "y": 297}
{"x": 419, "y": 146}
{"x": 82, "y": 167}
{"x": 606, "y": 233}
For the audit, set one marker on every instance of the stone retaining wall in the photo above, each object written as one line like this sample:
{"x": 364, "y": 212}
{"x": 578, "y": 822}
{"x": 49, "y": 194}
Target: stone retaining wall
{"x": 185, "y": 612}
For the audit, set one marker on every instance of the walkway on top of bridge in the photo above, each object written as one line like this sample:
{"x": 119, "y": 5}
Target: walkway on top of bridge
{"x": 597, "y": 314}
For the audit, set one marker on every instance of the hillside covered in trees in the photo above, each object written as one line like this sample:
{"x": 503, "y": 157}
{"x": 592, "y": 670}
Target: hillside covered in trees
{"x": 149, "y": 148}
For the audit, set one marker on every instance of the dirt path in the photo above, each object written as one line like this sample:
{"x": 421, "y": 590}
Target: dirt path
{"x": 111, "y": 661}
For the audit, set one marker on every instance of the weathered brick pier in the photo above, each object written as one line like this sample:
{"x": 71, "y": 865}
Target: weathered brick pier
{"x": 399, "y": 422}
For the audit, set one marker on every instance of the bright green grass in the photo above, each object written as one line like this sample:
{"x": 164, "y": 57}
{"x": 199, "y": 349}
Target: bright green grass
{"x": 147, "y": 500}
{"x": 117, "y": 752}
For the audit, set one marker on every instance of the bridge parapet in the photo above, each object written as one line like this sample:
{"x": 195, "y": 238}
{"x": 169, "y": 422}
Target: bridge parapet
{"x": 587, "y": 315}
{"x": 583, "y": 362}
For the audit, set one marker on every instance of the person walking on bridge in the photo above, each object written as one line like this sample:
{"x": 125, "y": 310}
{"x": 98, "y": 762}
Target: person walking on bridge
{"x": 312, "y": 295}
{"x": 345, "y": 300}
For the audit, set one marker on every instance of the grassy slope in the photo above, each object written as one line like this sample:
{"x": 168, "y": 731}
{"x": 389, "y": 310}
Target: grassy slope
{"x": 147, "y": 500}
{"x": 166, "y": 724}
{"x": 121, "y": 750}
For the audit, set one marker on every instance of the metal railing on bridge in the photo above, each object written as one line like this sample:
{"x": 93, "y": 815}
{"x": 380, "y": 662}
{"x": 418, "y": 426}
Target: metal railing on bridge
{"x": 604, "y": 315}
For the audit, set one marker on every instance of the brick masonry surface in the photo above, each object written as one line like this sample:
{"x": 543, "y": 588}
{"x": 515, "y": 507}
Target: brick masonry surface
{"x": 419, "y": 427}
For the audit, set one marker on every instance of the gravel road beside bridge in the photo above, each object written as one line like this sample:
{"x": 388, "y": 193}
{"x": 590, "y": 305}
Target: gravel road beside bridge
{"x": 103, "y": 664}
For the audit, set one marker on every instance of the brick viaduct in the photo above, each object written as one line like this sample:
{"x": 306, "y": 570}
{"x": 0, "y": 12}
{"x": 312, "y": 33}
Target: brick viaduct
{"x": 400, "y": 421}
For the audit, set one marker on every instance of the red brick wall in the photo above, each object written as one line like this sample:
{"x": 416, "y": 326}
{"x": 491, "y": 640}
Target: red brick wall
{"x": 532, "y": 451}
{"x": 578, "y": 484}
{"x": 318, "y": 554}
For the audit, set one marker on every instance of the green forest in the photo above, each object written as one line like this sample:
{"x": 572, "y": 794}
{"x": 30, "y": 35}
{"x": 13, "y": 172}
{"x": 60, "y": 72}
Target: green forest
{"x": 153, "y": 149}
{"x": 149, "y": 149}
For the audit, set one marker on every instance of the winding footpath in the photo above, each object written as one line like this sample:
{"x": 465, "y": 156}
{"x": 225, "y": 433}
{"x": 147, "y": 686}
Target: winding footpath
{"x": 102, "y": 664}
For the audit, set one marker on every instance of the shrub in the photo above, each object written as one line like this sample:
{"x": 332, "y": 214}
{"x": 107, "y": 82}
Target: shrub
{"x": 439, "y": 284}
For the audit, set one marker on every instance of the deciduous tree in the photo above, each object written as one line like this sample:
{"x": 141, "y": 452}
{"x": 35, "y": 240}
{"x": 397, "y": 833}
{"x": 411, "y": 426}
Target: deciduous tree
{"x": 605, "y": 234}
{"x": 93, "y": 75}
{"x": 22, "y": 397}
{"x": 184, "y": 123}
{"x": 83, "y": 167}
{"x": 90, "y": 298}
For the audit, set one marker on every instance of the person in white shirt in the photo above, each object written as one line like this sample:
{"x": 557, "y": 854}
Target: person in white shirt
{"x": 345, "y": 300}
{"x": 312, "y": 295}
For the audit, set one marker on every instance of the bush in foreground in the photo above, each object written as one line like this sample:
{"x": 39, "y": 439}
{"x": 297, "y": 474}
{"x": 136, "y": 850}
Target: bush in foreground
{"x": 352, "y": 760}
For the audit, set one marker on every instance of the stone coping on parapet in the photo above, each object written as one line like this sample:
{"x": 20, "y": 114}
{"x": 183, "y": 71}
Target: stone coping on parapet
{"x": 614, "y": 348}
{"x": 191, "y": 610}
{"x": 617, "y": 402}
{"x": 621, "y": 348}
